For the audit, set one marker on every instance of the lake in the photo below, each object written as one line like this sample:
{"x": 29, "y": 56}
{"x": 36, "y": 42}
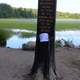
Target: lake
{"x": 16, "y": 41}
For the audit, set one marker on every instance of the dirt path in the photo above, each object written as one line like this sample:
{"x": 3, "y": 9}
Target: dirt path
{"x": 66, "y": 59}
{"x": 15, "y": 63}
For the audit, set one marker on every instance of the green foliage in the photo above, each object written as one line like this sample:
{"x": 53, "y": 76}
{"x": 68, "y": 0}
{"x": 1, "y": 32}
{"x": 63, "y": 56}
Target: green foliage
{"x": 68, "y": 15}
{"x": 3, "y": 37}
{"x": 6, "y": 11}
{"x": 24, "y": 34}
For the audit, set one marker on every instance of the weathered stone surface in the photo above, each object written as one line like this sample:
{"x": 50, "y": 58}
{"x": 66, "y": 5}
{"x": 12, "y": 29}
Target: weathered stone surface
{"x": 29, "y": 46}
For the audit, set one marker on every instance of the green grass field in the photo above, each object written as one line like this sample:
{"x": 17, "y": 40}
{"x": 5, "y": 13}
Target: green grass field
{"x": 17, "y": 23}
{"x": 31, "y": 24}
{"x": 67, "y": 26}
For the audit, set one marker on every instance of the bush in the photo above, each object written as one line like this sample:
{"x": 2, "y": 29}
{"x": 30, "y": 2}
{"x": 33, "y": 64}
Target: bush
{"x": 3, "y": 37}
{"x": 64, "y": 43}
{"x": 58, "y": 43}
{"x": 25, "y": 34}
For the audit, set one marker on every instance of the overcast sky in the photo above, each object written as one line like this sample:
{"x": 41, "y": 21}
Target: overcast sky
{"x": 72, "y": 6}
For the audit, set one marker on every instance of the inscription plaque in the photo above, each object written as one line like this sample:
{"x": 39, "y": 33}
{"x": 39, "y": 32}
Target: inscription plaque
{"x": 46, "y": 13}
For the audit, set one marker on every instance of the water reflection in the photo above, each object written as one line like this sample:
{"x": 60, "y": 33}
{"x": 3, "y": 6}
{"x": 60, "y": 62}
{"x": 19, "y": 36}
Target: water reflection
{"x": 16, "y": 41}
{"x": 21, "y": 30}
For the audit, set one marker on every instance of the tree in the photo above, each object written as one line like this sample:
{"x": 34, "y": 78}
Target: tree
{"x": 5, "y": 10}
{"x": 44, "y": 59}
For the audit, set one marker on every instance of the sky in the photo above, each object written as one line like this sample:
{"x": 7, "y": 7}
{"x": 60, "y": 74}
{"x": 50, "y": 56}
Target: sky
{"x": 72, "y": 6}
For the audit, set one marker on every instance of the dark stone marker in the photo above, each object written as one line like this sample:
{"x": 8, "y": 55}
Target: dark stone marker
{"x": 46, "y": 15}
{"x": 44, "y": 51}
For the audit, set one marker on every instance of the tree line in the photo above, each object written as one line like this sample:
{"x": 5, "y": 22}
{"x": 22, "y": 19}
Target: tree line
{"x": 68, "y": 15}
{"x": 7, "y": 11}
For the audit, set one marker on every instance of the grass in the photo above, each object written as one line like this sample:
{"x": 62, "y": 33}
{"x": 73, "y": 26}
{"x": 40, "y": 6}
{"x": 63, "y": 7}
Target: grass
{"x": 24, "y": 34}
{"x": 67, "y": 26}
{"x": 14, "y": 23}
{"x": 31, "y": 24}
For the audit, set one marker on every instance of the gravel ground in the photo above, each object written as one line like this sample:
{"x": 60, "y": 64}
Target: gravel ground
{"x": 15, "y": 63}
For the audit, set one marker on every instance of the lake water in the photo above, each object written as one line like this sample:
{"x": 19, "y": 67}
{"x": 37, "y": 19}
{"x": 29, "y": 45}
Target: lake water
{"x": 15, "y": 41}
{"x": 70, "y": 35}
